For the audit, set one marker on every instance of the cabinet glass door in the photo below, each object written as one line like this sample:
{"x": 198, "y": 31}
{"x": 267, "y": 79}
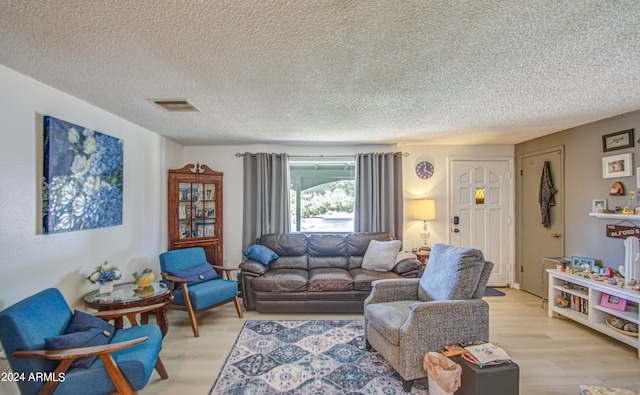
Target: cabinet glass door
{"x": 196, "y": 210}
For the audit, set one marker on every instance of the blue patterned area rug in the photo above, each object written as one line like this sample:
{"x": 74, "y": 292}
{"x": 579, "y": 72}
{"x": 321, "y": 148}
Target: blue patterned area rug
{"x": 306, "y": 358}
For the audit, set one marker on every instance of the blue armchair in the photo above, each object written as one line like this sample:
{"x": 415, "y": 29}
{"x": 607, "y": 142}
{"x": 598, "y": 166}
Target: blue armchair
{"x": 120, "y": 361}
{"x": 197, "y": 287}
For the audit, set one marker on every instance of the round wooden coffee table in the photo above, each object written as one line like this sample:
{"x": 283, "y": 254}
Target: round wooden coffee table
{"x": 129, "y": 295}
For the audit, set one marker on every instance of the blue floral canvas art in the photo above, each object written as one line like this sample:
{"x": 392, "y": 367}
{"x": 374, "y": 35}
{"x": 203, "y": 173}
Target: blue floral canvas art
{"x": 82, "y": 178}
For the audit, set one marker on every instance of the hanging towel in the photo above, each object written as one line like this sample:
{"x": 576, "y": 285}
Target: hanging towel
{"x": 546, "y": 194}
{"x": 631, "y": 260}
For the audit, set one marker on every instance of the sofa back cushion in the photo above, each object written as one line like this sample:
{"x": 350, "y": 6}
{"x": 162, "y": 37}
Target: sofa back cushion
{"x": 327, "y": 251}
{"x": 453, "y": 273}
{"x": 290, "y": 247}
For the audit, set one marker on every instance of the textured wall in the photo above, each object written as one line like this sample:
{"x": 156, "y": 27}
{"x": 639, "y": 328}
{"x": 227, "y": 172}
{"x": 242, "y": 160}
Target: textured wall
{"x": 585, "y": 235}
{"x": 30, "y": 262}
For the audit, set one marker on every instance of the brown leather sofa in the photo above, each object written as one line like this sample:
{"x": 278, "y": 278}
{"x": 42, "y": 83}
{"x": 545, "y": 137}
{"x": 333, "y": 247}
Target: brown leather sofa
{"x": 315, "y": 273}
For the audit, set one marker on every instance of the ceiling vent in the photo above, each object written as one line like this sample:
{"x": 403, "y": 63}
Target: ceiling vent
{"x": 176, "y": 105}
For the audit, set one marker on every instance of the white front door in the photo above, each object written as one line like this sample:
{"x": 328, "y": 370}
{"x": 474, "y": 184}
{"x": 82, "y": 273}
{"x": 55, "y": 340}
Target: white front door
{"x": 481, "y": 212}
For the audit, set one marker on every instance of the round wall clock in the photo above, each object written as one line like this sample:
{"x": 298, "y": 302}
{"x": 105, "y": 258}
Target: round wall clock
{"x": 424, "y": 170}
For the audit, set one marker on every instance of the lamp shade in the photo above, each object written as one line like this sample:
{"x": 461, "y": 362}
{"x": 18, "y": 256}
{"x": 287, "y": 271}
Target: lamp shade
{"x": 424, "y": 210}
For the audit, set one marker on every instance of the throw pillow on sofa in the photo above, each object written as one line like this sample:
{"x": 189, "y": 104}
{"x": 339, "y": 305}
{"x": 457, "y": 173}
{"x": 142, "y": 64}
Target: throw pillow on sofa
{"x": 260, "y": 254}
{"x": 381, "y": 255}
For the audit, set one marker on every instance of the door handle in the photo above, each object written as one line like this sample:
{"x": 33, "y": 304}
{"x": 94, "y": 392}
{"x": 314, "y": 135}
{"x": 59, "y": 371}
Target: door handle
{"x": 555, "y": 235}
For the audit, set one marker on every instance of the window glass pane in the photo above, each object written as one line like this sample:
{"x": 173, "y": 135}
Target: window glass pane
{"x": 322, "y": 195}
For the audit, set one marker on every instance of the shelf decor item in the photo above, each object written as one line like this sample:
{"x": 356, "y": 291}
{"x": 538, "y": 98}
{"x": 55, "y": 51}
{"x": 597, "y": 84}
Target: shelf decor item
{"x": 613, "y": 302}
{"x": 144, "y": 279}
{"x": 105, "y": 275}
{"x": 82, "y": 180}
{"x": 582, "y": 264}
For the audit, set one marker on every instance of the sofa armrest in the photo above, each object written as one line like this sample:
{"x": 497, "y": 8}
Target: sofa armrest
{"x": 407, "y": 266}
{"x": 254, "y": 267}
{"x": 389, "y": 290}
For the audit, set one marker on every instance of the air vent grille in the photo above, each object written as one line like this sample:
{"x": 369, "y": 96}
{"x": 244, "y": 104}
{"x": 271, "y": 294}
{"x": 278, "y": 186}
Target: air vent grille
{"x": 176, "y": 105}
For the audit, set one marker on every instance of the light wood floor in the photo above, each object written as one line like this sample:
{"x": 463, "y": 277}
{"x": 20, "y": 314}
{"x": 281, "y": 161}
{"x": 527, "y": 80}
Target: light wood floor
{"x": 555, "y": 355}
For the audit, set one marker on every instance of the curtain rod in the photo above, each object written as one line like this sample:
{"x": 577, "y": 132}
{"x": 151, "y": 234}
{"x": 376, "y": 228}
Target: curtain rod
{"x": 405, "y": 154}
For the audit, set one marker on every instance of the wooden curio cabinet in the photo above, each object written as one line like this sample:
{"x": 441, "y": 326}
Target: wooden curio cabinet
{"x": 195, "y": 210}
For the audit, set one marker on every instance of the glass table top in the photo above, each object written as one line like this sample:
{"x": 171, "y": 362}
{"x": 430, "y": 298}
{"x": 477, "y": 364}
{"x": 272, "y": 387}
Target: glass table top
{"x": 127, "y": 293}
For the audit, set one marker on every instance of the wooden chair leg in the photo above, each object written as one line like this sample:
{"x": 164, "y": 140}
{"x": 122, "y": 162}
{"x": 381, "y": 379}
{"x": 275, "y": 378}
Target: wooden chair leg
{"x": 236, "y": 301}
{"x": 116, "y": 375}
{"x": 192, "y": 313}
{"x": 162, "y": 371}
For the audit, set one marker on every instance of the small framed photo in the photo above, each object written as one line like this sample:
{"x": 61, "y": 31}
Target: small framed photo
{"x": 209, "y": 230}
{"x": 617, "y": 166}
{"x": 638, "y": 177}
{"x": 613, "y": 302}
{"x": 581, "y": 264}
{"x": 599, "y": 205}
{"x": 618, "y": 140}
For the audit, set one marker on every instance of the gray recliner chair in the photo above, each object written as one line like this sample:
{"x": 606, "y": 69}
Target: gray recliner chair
{"x": 404, "y": 319}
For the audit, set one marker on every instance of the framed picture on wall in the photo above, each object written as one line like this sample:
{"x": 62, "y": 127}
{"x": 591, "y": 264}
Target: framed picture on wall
{"x": 618, "y": 140}
{"x": 617, "y": 166}
{"x": 599, "y": 205}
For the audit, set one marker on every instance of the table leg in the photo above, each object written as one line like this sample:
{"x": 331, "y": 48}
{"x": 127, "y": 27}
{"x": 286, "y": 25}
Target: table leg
{"x": 161, "y": 318}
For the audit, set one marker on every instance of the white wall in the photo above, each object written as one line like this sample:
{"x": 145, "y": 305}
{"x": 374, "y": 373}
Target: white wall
{"x": 223, "y": 159}
{"x": 436, "y": 187}
{"x": 31, "y": 262}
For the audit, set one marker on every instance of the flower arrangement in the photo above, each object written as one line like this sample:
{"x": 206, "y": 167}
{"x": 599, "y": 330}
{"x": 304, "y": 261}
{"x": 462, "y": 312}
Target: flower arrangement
{"x": 104, "y": 274}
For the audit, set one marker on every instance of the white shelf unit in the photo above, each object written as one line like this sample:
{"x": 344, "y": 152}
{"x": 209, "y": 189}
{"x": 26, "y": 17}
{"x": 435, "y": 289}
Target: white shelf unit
{"x": 595, "y": 314}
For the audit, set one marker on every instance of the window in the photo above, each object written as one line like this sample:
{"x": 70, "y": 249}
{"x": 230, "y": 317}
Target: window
{"x": 322, "y": 194}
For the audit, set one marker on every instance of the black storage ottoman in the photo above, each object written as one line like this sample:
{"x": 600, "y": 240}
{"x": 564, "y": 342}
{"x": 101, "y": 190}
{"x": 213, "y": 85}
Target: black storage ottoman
{"x": 488, "y": 380}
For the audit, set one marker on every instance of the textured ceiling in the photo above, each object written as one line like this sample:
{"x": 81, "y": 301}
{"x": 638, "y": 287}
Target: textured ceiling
{"x": 336, "y": 72}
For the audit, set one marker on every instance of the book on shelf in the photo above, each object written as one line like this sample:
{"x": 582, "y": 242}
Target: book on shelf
{"x": 488, "y": 354}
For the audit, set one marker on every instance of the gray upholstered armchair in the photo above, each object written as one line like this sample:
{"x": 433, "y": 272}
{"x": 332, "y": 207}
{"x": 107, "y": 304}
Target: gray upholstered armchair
{"x": 406, "y": 318}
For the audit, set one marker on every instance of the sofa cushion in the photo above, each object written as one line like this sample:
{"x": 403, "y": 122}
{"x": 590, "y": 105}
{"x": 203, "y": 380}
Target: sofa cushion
{"x": 357, "y": 243}
{"x": 286, "y": 244}
{"x": 329, "y": 280}
{"x": 362, "y": 279}
{"x": 207, "y": 294}
{"x": 381, "y": 255}
{"x": 388, "y": 318}
{"x": 320, "y": 245}
{"x": 320, "y": 262}
{"x": 260, "y": 253}
{"x": 452, "y": 273}
{"x": 290, "y": 262}
{"x": 282, "y": 280}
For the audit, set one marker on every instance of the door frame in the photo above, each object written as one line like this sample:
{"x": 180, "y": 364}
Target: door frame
{"x": 511, "y": 267}
{"x": 520, "y": 234}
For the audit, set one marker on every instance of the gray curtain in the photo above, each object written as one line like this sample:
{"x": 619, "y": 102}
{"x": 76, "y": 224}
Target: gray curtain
{"x": 266, "y": 196}
{"x": 379, "y": 200}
